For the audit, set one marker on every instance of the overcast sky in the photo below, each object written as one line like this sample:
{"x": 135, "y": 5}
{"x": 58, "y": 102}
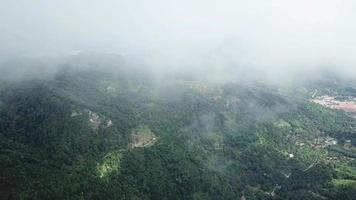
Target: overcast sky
{"x": 285, "y": 34}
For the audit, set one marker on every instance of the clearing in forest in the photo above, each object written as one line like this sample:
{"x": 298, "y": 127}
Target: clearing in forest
{"x": 142, "y": 136}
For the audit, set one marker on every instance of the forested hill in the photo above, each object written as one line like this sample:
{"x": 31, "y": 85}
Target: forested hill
{"x": 114, "y": 133}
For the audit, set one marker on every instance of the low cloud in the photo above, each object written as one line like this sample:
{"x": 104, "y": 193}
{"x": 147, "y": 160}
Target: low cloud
{"x": 275, "y": 37}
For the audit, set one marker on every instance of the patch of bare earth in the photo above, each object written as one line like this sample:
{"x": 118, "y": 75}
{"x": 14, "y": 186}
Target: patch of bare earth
{"x": 331, "y": 102}
{"x": 142, "y": 137}
{"x": 96, "y": 120}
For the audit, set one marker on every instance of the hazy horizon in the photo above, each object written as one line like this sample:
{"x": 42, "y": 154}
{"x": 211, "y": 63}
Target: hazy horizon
{"x": 219, "y": 36}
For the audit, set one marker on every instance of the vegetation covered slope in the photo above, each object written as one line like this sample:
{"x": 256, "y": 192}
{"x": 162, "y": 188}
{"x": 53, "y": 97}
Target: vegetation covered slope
{"x": 104, "y": 134}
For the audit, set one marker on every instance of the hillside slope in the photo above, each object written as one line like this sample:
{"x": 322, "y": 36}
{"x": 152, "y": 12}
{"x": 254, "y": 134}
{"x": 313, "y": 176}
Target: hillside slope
{"x": 103, "y": 134}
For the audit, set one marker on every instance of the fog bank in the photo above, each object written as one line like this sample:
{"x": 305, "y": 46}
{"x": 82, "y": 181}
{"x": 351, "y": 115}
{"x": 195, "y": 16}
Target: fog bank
{"x": 276, "y": 37}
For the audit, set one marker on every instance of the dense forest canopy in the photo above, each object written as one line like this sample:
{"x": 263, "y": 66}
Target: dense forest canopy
{"x": 179, "y": 99}
{"x": 109, "y": 132}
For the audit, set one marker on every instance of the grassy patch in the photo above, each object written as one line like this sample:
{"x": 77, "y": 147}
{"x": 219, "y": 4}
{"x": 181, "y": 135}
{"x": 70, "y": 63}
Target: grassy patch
{"x": 110, "y": 164}
{"x": 344, "y": 183}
